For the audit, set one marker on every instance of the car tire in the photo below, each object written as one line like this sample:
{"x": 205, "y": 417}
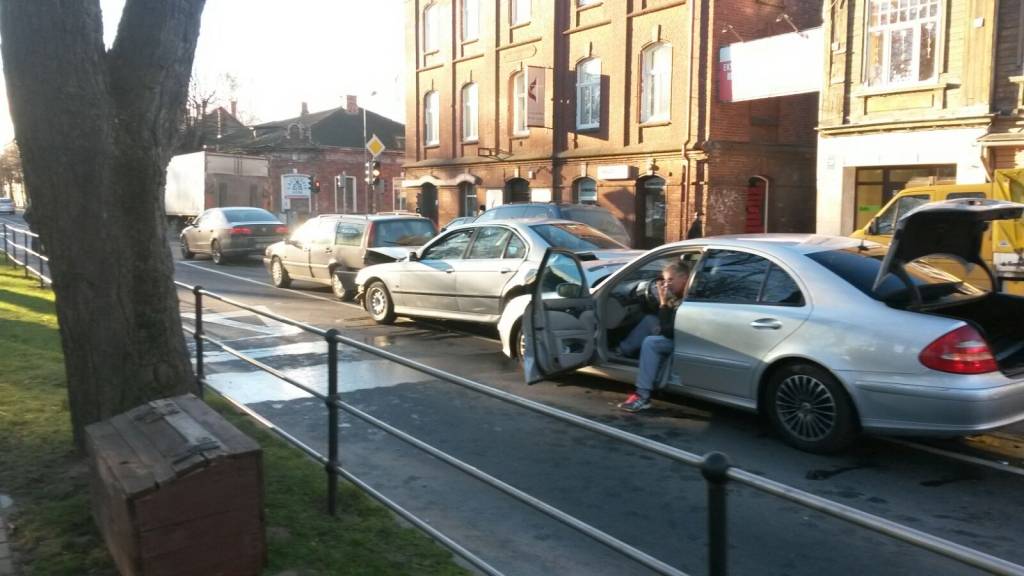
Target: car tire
{"x": 339, "y": 288}
{"x": 216, "y": 254}
{"x": 278, "y": 274}
{"x": 810, "y": 409}
{"x": 186, "y": 253}
{"x": 378, "y": 303}
{"x": 518, "y": 342}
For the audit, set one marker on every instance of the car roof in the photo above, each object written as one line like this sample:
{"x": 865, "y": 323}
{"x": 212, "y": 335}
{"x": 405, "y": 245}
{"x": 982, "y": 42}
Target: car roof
{"x": 780, "y": 243}
{"x": 374, "y": 217}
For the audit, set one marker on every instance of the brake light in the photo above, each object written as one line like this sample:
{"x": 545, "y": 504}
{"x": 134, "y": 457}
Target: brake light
{"x": 962, "y": 351}
{"x": 281, "y": 230}
{"x": 241, "y": 231}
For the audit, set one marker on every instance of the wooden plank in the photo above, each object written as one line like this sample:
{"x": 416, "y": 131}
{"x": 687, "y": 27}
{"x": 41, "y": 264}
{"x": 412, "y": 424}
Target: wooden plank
{"x": 185, "y": 536}
{"x": 219, "y": 487}
{"x": 233, "y": 440}
{"x": 237, "y": 554}
{"x": 145, "y": 453}
{"x": 104, "y": 443}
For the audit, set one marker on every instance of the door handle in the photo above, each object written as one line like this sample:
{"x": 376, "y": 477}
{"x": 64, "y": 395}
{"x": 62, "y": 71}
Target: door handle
{"x": 449, "y": 270}
{"x": 504, "y": 271}
{"x": 766, "y": 324}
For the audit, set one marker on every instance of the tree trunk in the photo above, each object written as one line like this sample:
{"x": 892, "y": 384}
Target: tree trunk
{"x": 96, "y": 130}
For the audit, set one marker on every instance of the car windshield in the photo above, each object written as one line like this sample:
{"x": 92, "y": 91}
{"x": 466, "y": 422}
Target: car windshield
{"x": 860, "y": 266}
{"x": 412, "y": 232}
{"x": 575, "y": 237}
{"x": 599, "y": 219}
{"x": 248, "y": 215}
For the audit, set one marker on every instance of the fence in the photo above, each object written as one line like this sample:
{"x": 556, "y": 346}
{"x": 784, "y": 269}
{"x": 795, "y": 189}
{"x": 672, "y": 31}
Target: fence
{"x": 28, "y": 247}
{"x": 715, "y": 467}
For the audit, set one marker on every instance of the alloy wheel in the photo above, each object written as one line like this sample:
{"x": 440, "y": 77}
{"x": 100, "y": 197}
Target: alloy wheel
{"x": 806, "y": 407}
{"x": 378, "y": 302}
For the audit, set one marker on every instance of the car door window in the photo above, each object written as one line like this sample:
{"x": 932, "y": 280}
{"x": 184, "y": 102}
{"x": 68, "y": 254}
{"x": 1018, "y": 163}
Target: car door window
{"x": 325, "y": 232}
{"x": 887, "y": 220}
{"x": 729, "y": 276}
{"x": 516, "y": 248}
{"x": 451, "y": 247}
{"x": 350, "y": 234}
{"x": 305, "y": 233}
{"x": 489, "y": 243}
{"x": 958, "y": 195}
{"x": 780, "y": 289}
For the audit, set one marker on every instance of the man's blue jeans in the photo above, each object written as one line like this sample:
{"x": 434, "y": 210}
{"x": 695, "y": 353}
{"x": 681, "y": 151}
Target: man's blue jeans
{"x": 654, "y": 348}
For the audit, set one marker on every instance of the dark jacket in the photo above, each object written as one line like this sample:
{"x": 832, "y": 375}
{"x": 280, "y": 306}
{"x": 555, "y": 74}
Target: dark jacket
{"x": 667, "y": 319}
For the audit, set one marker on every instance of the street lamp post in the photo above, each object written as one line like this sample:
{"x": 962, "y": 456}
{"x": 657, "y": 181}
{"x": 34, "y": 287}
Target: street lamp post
{"x": 366, "y": 160}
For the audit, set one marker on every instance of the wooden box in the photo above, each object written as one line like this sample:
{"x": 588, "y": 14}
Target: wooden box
{"x": 176, "y": 489}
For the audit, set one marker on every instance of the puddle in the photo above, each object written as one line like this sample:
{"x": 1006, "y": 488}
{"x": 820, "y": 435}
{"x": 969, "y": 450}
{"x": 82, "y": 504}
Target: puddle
{"x": 5, "y": 502}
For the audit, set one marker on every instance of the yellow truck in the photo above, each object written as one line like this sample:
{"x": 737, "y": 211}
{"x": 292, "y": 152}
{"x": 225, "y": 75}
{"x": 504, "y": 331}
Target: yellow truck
{"x": 1003, "y": 248}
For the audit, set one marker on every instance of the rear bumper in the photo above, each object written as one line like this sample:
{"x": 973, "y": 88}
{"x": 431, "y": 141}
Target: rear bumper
{"x": 243, "y": 245}
{"x": 903, "y": 407}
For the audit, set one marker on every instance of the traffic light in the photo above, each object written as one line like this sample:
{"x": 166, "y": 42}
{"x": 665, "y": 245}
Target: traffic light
{"x": 314, "y": 185}
{"x": 375, "y": 172}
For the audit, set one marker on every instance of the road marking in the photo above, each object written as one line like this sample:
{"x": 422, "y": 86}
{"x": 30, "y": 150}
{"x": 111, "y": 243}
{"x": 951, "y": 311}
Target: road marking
{"x": 269, "y": 285}
{"x": 957, "y": 456}
{"x": 270, "y": 327}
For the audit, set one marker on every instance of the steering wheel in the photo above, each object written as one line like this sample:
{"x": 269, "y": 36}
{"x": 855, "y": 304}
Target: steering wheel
{"x": 647, "y": 293}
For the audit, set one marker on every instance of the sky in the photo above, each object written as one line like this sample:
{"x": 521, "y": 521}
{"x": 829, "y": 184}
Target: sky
{"x": 285, "y": 53}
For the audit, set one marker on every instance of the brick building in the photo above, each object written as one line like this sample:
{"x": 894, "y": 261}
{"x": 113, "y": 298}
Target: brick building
{"x": 611, "y": 102}
{"x": 330, "y": 146}
{"x": 916, "y": 91}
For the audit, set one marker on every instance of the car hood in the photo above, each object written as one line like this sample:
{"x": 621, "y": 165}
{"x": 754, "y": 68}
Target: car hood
{"x": 393, "y": 252}
{"x": 953, "y": 227}
{"x": 624, "y": 254}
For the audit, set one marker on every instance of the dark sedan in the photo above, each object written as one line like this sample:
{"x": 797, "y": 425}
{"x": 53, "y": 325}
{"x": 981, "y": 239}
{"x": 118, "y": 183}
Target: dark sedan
{"x": 225, "y": 233}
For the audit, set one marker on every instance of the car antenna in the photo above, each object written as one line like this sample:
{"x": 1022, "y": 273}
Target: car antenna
{"x": 862, "y": 247}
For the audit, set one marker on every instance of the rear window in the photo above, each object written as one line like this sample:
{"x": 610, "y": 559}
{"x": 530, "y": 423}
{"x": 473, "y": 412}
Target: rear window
{"x": 860, "y": 267}
{"x": 248, "y": 215}
{"x": 599, "y": 219}
{"x": 412, "y": 232}
{"x": 575, "y": 237}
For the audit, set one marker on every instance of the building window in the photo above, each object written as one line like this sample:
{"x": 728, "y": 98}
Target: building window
{"x": 431, "y": 124}
{"x": 588, "y": 94}
{"x": 876, "y": 186}
{"x": 582, "y": 3}
{"x": 519, "y": 104}
{"x": 656, "y": 88}
{"x": 521, "y": 11}
{"x": 902, "y": 41}
{"x": 584, "y": 191}
{"x": 468, "y": 205}
{"x": 469, "y": 113}
{"x": 470, "y": 20}
{"x": 431, "y": 28}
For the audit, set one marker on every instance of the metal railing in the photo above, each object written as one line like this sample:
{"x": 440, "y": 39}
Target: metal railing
{"x": 715, "y": 467}
{"x": 28, "y": 248}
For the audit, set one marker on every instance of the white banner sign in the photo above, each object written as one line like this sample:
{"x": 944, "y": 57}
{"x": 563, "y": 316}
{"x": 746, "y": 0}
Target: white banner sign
{"x": 775, "y": 66}
{"x": 293, "y": 186}
{"x": 535, "y": 96}
{"x": 614, "y": 172}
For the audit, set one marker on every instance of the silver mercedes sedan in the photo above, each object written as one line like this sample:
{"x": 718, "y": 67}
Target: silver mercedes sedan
{"x": 827, "y": 336}
{"x": 470, "y": 272}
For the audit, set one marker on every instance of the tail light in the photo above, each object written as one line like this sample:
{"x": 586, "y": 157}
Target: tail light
{"x": 241, "y": 231}
{"x": 281, "y": 230}
{"x": 962, "y": 351}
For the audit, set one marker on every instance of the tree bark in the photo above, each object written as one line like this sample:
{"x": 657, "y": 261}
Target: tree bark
{"x": 96, "y": 130}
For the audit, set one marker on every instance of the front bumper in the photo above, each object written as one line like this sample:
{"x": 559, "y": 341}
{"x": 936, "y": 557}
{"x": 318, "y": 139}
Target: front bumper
{"x": 901, "y": 406}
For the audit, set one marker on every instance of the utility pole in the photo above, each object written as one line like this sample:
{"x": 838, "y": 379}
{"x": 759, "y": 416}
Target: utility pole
{"x": 366, "y": 163}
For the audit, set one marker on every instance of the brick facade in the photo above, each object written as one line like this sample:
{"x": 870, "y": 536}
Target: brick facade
{"x": 656, "y": 176}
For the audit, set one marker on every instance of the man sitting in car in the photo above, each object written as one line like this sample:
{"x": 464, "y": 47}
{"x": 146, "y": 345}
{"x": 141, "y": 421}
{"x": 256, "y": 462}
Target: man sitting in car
{"x": 652, "y": 337}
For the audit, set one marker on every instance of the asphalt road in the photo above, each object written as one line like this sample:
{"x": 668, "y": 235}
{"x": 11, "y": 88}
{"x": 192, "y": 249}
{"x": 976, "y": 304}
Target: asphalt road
{"x": 642, "y": 499}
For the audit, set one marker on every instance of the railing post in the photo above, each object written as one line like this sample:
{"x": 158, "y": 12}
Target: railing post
{"x": 715, "y": 470}
{"x": 7, "y": 256}
{"x": 200, "y": 372}
{"x": 332, "y": 421}
{"x": 24, "y": 251}
{"x": 42, "y": 284}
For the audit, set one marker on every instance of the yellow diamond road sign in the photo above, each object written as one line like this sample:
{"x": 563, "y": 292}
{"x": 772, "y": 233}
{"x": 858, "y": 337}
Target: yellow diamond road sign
{"x": 375, "y": 146}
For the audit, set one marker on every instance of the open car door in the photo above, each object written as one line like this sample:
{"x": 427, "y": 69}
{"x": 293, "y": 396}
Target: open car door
{"x": 559, "y": 324}
{"x": 953, "y": 227}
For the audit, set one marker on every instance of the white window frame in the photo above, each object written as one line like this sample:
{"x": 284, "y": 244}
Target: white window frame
{"x": 578, "y": 188}
{"x": 431, "y": 28}
{"x": 656, "y": 83}
{"x": 470, "y": 112}
{"x": 585, "y": 3}
{"x": 520, "y": 106}
{"x": 887, "y": 29}
{"x": 521, "y": 12}
{"x": 588, "y": 87}
{"x": 470, "y": 20}
{"x": 431, "y": 121}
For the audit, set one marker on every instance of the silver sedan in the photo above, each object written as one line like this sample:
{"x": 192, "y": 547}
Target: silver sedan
{"x": 470, "y": 272}
{"x": 827, "y": 336}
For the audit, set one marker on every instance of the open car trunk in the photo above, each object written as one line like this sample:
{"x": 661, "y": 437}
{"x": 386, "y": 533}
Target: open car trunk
{"x": 998, "y": 317}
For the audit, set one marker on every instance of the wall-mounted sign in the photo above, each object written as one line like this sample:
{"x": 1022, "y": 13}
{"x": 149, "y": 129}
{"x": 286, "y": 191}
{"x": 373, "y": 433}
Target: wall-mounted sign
{"x": 293, "y": 186}
{"x": 535, "y": 96}
{"x": 779, "y": 65}
{"x": 540, "y": 194}
{"x": 615, "y": 172}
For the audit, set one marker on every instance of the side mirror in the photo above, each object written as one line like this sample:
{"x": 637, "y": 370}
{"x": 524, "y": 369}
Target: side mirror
{"x": 873, "y": 227}
{"x": 530, "y": 277}
{"x": 414, "y": 256}
{"x": 567, "y": 290}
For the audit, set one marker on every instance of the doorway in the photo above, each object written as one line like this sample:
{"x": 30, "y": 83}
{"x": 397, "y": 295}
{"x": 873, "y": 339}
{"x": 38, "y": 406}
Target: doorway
{"x": 650, "y": 212}
{"x": 517, "y": 190}
{"x": 756, "y": 221}
{"x": 427, "y": 202}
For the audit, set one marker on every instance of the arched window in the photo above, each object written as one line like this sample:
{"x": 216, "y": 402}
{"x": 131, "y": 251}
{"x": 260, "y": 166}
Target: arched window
{"x": 431, "y": 122}
{"x": 468, "y": 205}
{"x": 519, "y": 105}
{"x": 584, "y": 191}
{"x": 470, "y": 106}
{"x": 588, "y": 94}
{"x": 656, "y": 83}
{"x": 431, "y": 28}
{"x": 517, "y": 190}
{"x": 294, "y": 132}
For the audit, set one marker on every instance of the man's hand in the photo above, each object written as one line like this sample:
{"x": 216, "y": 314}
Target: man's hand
{"x": 662, "y": 293}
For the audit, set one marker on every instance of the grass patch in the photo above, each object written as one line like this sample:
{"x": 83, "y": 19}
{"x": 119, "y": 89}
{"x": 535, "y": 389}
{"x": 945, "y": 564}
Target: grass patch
{"x": 55, "y": 533}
